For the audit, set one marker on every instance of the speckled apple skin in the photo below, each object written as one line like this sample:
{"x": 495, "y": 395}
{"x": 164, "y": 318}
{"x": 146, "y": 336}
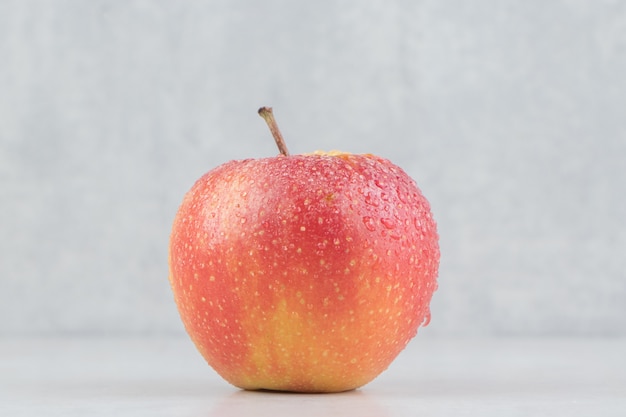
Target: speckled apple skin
{"x": 305, "y": 273}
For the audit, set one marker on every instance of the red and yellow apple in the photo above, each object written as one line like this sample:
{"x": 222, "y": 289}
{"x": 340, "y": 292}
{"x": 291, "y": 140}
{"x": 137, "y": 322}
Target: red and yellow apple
{"x": 305, "y": 273}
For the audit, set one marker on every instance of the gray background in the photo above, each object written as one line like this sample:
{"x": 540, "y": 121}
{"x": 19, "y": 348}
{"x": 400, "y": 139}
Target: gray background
{"x": 511, "y": 116}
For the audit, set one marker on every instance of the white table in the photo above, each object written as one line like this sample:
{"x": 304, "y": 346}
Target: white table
{"x": 432, "y": 377}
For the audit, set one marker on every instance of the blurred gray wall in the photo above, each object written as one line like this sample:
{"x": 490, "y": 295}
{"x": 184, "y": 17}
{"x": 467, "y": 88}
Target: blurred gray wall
{"x": 511, "y": 116}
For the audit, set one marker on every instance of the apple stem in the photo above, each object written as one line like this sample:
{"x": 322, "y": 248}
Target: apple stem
{"x": 267, "y": 115}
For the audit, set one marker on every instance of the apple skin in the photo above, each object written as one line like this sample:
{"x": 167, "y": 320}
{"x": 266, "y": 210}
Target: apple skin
{"x": 306, "y": 273}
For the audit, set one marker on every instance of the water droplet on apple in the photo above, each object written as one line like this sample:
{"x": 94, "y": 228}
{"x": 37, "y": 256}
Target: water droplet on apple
{"x": 369, "y": 223}
{"x": 426, "y": 320}
{"x": 371, "y": 200}
{"x": 402, "y": 196}
{"x": 388, "y": 223}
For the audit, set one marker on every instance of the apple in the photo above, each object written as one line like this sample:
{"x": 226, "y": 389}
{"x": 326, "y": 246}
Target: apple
{"x": 306, "y": 273}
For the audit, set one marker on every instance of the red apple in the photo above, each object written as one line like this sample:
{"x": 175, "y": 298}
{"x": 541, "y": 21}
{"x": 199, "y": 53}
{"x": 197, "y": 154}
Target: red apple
{"x": 305, "y": 273}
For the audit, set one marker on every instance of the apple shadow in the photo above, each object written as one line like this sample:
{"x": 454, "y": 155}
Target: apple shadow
{"x": 278, "y": 404}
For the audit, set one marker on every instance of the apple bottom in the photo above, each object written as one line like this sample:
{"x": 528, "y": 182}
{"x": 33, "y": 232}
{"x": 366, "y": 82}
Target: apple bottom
{"x": 289, "y": 345}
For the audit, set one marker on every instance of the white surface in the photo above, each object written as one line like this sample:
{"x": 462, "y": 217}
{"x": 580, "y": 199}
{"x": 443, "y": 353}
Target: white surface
{"x": 433, "y": 377}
